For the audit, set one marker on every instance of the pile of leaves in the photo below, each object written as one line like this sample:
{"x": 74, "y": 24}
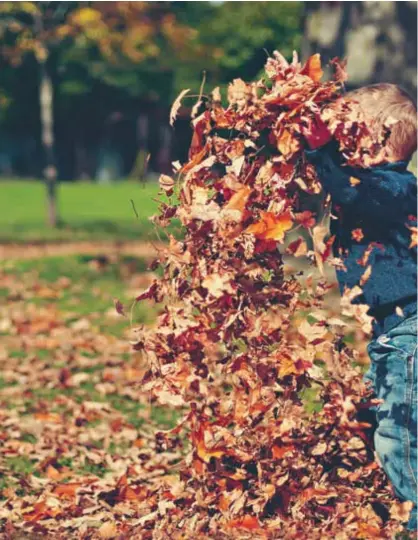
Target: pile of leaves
{"x": 241, "y": 342}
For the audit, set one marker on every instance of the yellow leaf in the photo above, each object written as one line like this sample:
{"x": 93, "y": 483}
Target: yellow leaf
{"x": 86, "y": 15}
{"x": 354, "y": 181}
{"x": 414, "y": 236}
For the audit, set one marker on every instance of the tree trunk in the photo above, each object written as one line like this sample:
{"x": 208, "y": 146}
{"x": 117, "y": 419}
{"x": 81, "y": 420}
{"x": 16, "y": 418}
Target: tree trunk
{"x": 47, "y": 128}
{"x": 379, "y": 39}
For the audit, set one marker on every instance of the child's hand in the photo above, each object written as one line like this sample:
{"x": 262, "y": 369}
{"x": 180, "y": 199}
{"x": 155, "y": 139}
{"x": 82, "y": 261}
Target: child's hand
{"x": 316, "y": 133}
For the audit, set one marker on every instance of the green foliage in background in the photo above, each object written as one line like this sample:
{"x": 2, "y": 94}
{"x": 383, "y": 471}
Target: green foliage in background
{"x": 146, "y": 50}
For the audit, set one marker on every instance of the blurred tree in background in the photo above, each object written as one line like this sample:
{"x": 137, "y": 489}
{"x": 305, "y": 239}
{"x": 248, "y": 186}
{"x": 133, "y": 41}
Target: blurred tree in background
{"x": 113, "y": 68}
{"x": 127, "y": 45}
{"x": 36, "y": 29}
{"x": 379, "y": 39}
{"x": 86, "y": 86}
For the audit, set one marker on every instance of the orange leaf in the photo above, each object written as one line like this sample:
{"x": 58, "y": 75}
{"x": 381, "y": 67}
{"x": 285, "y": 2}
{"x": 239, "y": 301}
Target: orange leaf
{"x": 239, "y": 199}
{"x": 127, "y": 493}
{"x": 250, "y": 523}
{"x": 365, "y": 530}
{"x": 41, "y": 511}
{"x": 67, "y": 491}
{"x": 311, "y": 492}
{"x": 203, "y": 452}
{"x": 224, "y": 502}
{"x": 279, "y": 451}
{"x": 197, "y": 158}
{"x": 312, "y": 68}
{"x": 271, "y": 226}
{"x": 55, "y": 474}
{"x": 54, "y": 418}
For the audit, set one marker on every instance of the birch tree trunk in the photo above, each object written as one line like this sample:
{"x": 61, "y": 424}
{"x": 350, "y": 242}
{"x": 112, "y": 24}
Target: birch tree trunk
{"x": 379, "y": 39}
{"x": 47, "y": 136}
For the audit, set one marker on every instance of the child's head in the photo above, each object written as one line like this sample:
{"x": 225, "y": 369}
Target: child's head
{"x": 388, "y": 105}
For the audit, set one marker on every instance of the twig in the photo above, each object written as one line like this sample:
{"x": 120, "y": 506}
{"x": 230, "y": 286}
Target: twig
{"x": 134, "y": 209}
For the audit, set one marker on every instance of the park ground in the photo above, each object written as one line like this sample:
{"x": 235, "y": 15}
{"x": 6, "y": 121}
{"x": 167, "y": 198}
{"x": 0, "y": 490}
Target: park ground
{"x": 78, "y": 431}
{"x": 76, "y": 426}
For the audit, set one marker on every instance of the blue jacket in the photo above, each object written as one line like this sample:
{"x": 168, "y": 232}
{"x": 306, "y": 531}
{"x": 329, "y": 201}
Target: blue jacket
{"x": 381, "y": 204}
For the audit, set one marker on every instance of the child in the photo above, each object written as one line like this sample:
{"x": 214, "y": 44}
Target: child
{"x": 377, "y": 209}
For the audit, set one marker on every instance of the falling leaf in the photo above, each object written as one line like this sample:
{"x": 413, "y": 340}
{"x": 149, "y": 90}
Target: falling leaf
{"x": 108, "y": 530}
{"x": 366, "y": 275}
{"x": 119, "y": 307}
{"x": 239, "y": 199}
{"x": 339, "y": 66}
{"x": 357, "y": 235}
{"x": 216, "y": 94}
{"x": 205, "y": 452}
{"x": 166, "y": 183}
{"x": 312, "y": 332}
{"x": 288, "y": 144}
{"x": 271, "y": 226}
{"x": 401, "y": 510}
{"x": 306, "y": 219}
{"x": 312, "y": 68}
{"x": 218, "y": 284}
{"x": 239, "y": 93}
{"x": 297, "y": 248}
{"x": 414, "y": 236}
{"x": 354, "y": 181}
{"x": 176, "y": 106}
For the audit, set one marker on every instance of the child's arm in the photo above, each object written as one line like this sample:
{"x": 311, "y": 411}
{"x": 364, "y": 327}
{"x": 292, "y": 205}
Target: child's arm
{"x": 385, "y": 192}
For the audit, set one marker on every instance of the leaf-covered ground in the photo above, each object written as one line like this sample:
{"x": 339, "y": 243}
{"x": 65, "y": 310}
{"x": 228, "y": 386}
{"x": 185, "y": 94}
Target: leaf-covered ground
{"x": 78, "y": 457}
{"x": 77, "y": 433}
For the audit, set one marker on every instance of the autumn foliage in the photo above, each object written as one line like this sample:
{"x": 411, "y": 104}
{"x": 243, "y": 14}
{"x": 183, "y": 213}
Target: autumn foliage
{"x": 240, "y": 341}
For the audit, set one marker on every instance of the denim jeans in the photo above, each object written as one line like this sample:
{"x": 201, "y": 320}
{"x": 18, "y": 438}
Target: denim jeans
{"x": 393, "y": 374}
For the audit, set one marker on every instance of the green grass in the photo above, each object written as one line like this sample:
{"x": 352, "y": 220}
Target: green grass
{"x": 88, "y": 211}
{"x": 97, "y": 288}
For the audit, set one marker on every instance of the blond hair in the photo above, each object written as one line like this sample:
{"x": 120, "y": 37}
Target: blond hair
{"x": 389, "y": 106}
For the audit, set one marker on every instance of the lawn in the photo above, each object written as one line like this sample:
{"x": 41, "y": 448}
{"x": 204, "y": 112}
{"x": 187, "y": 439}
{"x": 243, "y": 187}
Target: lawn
{"x": 88, "y": 211}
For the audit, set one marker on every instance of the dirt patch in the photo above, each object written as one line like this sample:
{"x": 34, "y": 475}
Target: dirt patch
{"x": 138, "y": 249}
